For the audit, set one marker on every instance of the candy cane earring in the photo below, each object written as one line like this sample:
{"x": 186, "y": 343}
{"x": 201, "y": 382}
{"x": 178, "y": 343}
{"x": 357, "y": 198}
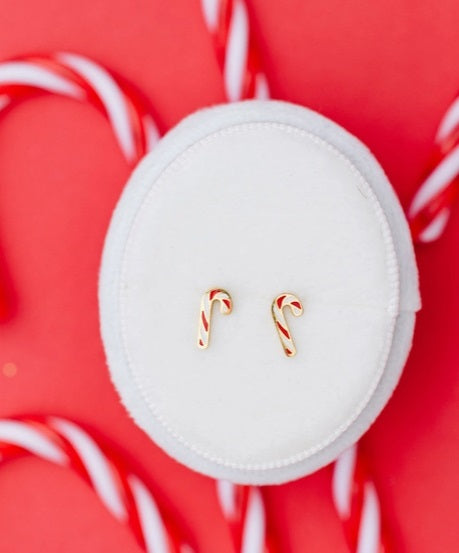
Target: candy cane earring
{"x": 226, "y": 305}
{"x": 277, "y": 309}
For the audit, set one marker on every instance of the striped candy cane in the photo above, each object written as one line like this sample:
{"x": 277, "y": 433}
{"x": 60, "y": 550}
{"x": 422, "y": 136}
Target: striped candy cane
{"x": 123, "y": 492}
{"x": 80, "y": 78}
{"x": 354, "y": 495}
{"x": 237, "y": 54}
{"x": 244, "y": 510}
{"x": 205, "y": 313}
{"x": 77, "y": 77}
{"x": 431, "y": 206}
{"x": 357, "y": 503}
{"x": 279, "y": 304}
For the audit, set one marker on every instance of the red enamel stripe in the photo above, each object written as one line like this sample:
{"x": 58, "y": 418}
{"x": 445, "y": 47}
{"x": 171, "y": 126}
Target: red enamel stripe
{"x": 283, "y": 330}
{"x": 204, "y": 321}
{"x": 280, "y": 299}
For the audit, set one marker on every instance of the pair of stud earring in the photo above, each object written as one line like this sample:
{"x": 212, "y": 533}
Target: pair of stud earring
{"x": 226, "y": 306}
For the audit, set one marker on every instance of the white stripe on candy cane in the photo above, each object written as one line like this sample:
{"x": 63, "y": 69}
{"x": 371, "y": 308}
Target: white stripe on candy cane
{"x": 210, "y": 10}
{"x": 342, "y": 480}
{"x": 29, "y": 438}
{"x": 449, "y": 121}
{"x": 28, "y": 74}
{"x": 111, "y": 96}
{"x": 253, "y": 535}
{"x": 236, "y": 53}
{"x": 226, "y": 492}
{"x": 151, "y": 132}
{"x": 149, "y": 516}
{"x": 370, "y": 525}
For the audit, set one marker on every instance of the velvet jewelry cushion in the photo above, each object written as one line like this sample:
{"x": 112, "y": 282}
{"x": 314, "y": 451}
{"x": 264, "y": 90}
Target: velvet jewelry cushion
{"x": 259, "y": 204}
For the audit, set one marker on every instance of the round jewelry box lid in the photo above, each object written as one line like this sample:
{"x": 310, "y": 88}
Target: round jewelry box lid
{"x": 242, "y": 215}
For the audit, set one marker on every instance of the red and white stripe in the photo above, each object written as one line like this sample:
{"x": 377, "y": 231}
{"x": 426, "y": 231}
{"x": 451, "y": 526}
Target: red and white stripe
{"x": 357, "y": 503}
{"x": 120, "y": 489}
{"x": 244, "y": 510}
{"x": 279, "y": 304}
{"x": 80, "y": 78}
{"x": 77, "y": 77}
{"x": 431, "y": 206}
{"x": 237, "y": 54}
{"x": 205, "y": 313}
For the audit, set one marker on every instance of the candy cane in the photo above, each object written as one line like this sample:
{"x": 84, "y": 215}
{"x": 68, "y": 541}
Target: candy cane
{"x": 431, "y": 206}
{"x": 244, "y": 510}
{"x": 205, "y": 313}
{"x": 237, "y": 54}
{"x": 121, "y": 490}
{"x": 357, "y": 503}
{"x": 80, "y": 78}
{"x": 77, "y": 77}
{"x": 279, "y": 304}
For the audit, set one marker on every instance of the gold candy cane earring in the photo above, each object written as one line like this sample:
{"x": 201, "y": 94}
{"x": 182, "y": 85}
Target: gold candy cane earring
{"x": 226, "y": 305}
{"x": 286, "y": 300}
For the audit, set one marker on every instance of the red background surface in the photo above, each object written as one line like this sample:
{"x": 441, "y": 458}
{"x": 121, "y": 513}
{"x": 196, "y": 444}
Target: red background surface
{"x": 384, "y": 70}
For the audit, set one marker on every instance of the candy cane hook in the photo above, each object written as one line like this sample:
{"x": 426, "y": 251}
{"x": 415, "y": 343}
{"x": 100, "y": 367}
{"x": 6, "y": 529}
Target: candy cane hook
{"x": 282, "y": 301}
{"x": 226, "y": 306}
{"x": 74, "y": 76}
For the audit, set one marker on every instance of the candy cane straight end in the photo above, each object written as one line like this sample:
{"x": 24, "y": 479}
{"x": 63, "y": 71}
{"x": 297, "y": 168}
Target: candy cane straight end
{"x": 277, "y": 309}
{"x": 205, "y": 313}
{"x": 430, "y": 208}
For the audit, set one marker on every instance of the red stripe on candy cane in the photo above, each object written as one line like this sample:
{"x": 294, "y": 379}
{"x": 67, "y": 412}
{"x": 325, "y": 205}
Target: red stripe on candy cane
{"x": 237, "y": 54}
{"x": 431, "y": 206}
{"x": 120, "y": 489}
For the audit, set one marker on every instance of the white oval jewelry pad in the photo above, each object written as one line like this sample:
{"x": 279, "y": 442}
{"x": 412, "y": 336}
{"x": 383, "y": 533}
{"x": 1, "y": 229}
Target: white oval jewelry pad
{"x": 258, "y": 292}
